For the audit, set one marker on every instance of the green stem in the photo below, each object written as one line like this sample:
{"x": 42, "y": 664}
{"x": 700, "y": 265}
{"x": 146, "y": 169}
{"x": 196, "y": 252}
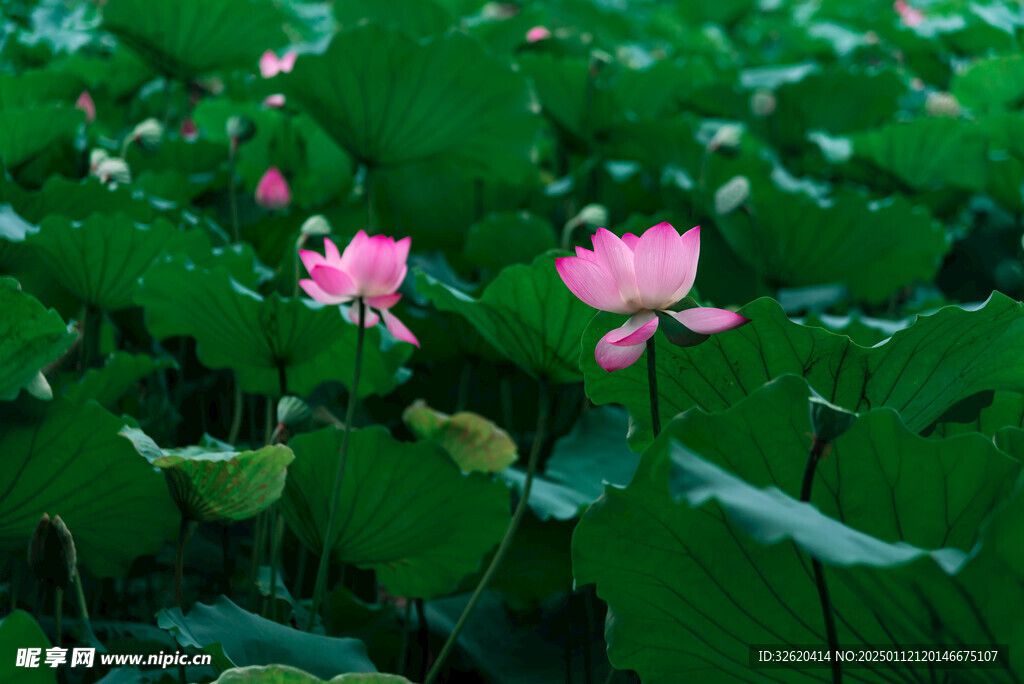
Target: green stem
{"x": 353, "y": 398}
{"x": 185, "y": 530}
{"x": 371, "y": 216}
{"x": 83, "y": 611}
{"x": 58, "y": 614}
{"x": 817, "y": 451}
{"x": 652, "y": 384}
{"x": 257, "y": 554}
{"x": 543, "y": 407}
{"x": 275, "y": 558}
{"x": 236, "y": 416}
{"x": 403, "y": 652}
{"x": 300, "y": 571}
{"x": 232, "y": 191}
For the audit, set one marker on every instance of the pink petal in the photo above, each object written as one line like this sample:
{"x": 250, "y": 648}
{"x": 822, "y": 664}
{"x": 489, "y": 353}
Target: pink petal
{"x": 85, "y": 103}
{"x": 691, "y": 255}
{"x": 617, "y": 259}
{"x": 275, "y": 101}
{"x": 630, "y": 240}
{"x": 537, "y": 33}
{"x": 374, "y": 267}
{"x": 638, "y": 329}
{"x": 287, "y": 63}
{"x": 268, "y": 64}
{"x": 707, "y": 320}
{"x": 317, "y": 293}
{"x": 383, "y": 302}
{"x": 657, "y": 258}
{"x": 398, "y": 329}
{"x": 353, "y": 250}
{"x": 332, "y": 281}
{"x": 370, "y": 317}
{"x": 592, "y": 284}
{"x": 586, "y": 254}
{"x": 331, "y": 254}
{"x": 311, "y": 259}
{"x": 612, "y": 357}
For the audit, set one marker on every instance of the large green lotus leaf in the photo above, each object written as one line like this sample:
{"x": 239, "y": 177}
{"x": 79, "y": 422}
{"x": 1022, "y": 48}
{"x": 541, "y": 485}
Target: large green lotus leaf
{"x": 927, "y": 153}
{"x": 527, "y": 313}
{"x": 707, "y": 581}
{"x": 503, "y": 239}
{"x": 101, "y": 259}
{"x": 28, "y": 131}
{"x": 473, "y": 442}
{"x": 406, "y": 511}
{"x": 920, "y": 372}
{"x": 118, "y": 74}
{"x": 242, "y": 639}
{"x": 797, "y": 239}
{"x": 73, "y": 463}
{"x": 258, "y": 336}
{"x": 594, "y": 452}
{"x": 994, "y": 84}
{"x": 184, "y": 40}
{"x": 120, "y": 372}
{"x": 1005, "y": 409}
{"x": 31, "y": 336}
{"x": 211, "y": 484}
{"x": 38, "y": 86}
{"x": 13, "y": 229}
{"x": 282, "y": 674}
{"x": 389, "y": 100}
{"x": 418, "y": 18}
{"x": 76, "y": 200}
{"x": 18, "y": 631}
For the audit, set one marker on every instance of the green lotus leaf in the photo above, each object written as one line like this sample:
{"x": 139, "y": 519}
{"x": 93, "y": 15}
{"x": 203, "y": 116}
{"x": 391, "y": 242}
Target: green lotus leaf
{"x": 527, "y": 314}
{"x": 38, "y": 86}
{"x": 476, "y": 110}
{"x": 211, "y": 484}
{"x": 920, "y": 372}
{"x": 1003, "y": 409}
{"x": 18, "y": 630}
{"x": 718, "y": 577}
{"x": 101, "y": 259}
{"x": 473, "y": 442}
{"x": 418, "y": 18}
{"x": 28, "y": 131}
{"x": 405, "y": 510}
{"x": 120, "y": 372}
{"x": 993, "y": 84}
{"x": 238, "y": 638}
{"x": 282, "y": 674}
{"x": 262, "y": 337}
{"x": 503, "y": 239}
{"x": 31, "y": 336}
{"x": 76, "y": 200}
{"x": 184, "y": 40}
{"x": 72, "y": 462}
{"x": 594, "y": 452}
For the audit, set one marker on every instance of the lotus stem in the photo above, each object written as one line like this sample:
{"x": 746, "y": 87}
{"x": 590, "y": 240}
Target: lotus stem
{"x": 257, "y": 554}
{"x": 275, "y": 559}
{"x": 817, "y": 451}
{"x": 185, "y": 530}
{"x": 300, "y": 571}
{"x": 403, "y": 652}
{"x": 424, "y": 637}
{"x": 353, "y": 398}
{"x": 58, "y": 614}
{"x": 371, "y": 216}
{"x": 236, "y": 416}
{"x": 232, "y": 190}
{"x": 652, "y": 383}
{"x": 83, "y": 610}
{"x": 543, "y": 407}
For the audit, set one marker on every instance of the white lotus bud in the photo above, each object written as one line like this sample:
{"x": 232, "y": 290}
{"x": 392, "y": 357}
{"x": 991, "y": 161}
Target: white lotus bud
{"x": 317, "y": 226}
{"x": 762, "y": 103}
{"x": 96, "y": 157}
{"x": 148, "y": 133}
{"x": 727, "y": 137}
{"x": 942, "y": 104}
{"x": 113, "y": 170}
{"x": 291, "y": 410}
{"x": 592, "y": 215}
{"x": 732, "y": 195}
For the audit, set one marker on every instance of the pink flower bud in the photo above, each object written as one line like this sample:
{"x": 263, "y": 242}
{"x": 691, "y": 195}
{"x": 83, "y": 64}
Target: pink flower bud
{"x": 188, "y": 131}
{"x": 273, "y": 192}
{"x": 85, "y": 103}
{"x": 910, "y": 16}
{"x": 537, "y": 33}
{"x": 275, "y": 101}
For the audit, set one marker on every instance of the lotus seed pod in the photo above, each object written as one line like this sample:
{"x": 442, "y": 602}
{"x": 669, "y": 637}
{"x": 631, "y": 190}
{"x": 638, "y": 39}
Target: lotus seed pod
{"x": 762, "y": 103}
{"x": 733, "y": 194}
{"x": 148, "y": 133}
{"x": 291, "y": 410}
{"x": 51, "y": 552}
{"x": 316, "y": 226}
{"x": 240, "y": 128}
{"x": 113, "y": 170}
{"x": 942, "y": 104}
{"x": 727, "y": 137}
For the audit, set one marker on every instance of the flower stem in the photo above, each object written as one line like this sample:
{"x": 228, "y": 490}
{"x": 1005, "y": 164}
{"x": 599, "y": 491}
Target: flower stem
{"x": 543, "y": 406}
{"x": 58, "y": 615}
{"x": 403, "y": 652}
{"x": 257, "y": 555}
{"x": 652, "y": 383}
{"x": 275, "y": 558}
{"x": 83, "y": 611}
{"x": 353, "y": 397}
{"x": 185, "y": 531}
{"x": 232, "y": 195}
{"x": 817, "y": 451}
{"x": 236, "y": 415}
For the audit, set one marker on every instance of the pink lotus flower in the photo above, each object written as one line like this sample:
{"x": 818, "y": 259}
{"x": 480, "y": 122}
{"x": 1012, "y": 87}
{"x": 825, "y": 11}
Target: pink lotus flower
{"x": 188, "y": 131}
{"x": 537, "y": 33}
{"x": 641, "y": 276}
{"x": 371, "y": 269}
{"x": 271, "y": 65}
{"x": 910, "y": 16}
{"x": 275, "y": 101}
{"x": 85, "y": 103}
{"x": 272, "y": 192}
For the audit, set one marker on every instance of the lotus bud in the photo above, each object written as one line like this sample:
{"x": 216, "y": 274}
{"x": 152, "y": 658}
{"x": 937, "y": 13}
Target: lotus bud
{"x": 148, "y": 133}
{"x": 762, "y": 103}
{"x": 51, "y": 552}
{"x": 727, "y": 137}
{"x": 240, "y": 128}
{"x": 113, "y": 170}
{"x": 537, "y": 33}
{"x": 272, "y": 192}
{"x": 829, "y": 421}
{"x": 85, "y": 104}
{"x": 942, "y": 104}
{"x": 497, "y": 11}
{"x": 292, "y": 410}
{"x": 275, "y": 101}
{"x": 732, "y": 195}
{"x": 96, "y": 157}
{"x": 189, "y": 131}
{"x": 590, "y": 215}
{"x": 316, "y": 226}
{"x": 39, "y": 388}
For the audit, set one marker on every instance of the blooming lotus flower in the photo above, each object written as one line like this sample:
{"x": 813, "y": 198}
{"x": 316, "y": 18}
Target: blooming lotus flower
{"x": 271, "y": 65}
{"x": 370, "y": 269}
{"x": 275, "y": 101}
{"x": 910, "y": 16}
{"x": 641, "y": 276}
{"x": 272, "y": 192}
{"x": 85, "y": 104}
{"x": 537, "y": 33}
